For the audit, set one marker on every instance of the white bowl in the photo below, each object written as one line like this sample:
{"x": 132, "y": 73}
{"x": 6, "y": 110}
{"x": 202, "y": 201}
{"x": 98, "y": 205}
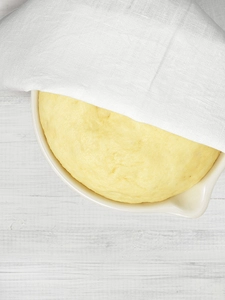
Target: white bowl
{"x": 190, "y": 204}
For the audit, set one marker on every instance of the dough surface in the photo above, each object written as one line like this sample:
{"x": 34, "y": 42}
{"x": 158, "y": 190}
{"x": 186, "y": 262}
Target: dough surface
{"x": 117, "y": 157}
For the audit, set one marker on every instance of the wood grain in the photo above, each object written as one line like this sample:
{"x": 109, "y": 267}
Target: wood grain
{"x": 54, "y": 244}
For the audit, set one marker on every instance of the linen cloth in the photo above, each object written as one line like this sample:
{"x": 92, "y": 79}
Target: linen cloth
{"x": 160, "y": 62}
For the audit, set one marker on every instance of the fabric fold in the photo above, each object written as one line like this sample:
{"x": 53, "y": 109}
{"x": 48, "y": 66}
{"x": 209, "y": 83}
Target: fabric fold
{"x": 159, "y": 62}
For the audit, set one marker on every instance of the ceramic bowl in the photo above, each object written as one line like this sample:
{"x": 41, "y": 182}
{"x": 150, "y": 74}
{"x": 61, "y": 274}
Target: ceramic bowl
{"x": 191, "y": 203}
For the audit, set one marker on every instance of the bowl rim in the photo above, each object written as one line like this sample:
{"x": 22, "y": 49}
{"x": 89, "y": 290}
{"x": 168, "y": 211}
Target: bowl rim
{"x": 181, "y": 205}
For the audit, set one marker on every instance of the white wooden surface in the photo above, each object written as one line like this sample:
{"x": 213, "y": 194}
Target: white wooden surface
{"x": 55, "y": 245}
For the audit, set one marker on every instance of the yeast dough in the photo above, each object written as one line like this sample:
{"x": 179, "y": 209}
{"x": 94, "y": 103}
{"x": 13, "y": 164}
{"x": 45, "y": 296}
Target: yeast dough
{"x": 117, "y": 157}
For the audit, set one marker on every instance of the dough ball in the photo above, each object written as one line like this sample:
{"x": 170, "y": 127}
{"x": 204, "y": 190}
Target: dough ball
{"x": 117, "y": 157}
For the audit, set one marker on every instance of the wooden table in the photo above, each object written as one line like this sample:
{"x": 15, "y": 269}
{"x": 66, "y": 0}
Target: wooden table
{"x": 54, "y": 244}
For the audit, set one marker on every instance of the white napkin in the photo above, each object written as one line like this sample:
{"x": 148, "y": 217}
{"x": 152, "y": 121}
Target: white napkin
{"x": 158, "y": 61}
